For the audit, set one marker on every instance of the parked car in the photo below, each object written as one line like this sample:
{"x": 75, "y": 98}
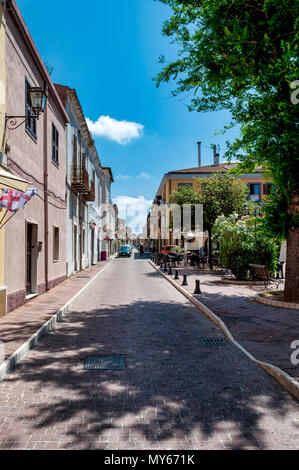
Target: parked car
{"x": 124, "y": 250}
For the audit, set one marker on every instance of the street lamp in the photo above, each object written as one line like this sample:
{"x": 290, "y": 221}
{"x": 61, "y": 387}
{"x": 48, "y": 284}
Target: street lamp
{"x": 37, "y": 98}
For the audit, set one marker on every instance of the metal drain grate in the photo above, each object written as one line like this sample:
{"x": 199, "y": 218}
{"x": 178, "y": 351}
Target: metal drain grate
{"x": 211, "y": 342}
{"x": 111, "y": 362}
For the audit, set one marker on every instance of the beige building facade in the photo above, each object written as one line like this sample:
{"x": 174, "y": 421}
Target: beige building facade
{"x": 35, "y": 245}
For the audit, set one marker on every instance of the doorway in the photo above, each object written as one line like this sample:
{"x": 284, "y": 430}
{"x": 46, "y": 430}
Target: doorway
{"x": 75, "y": 249}
{"x": 92, "y": 246}
{"x": 31, "y": 259}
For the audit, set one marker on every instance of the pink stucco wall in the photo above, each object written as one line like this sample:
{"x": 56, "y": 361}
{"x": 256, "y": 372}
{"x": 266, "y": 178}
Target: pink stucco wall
{"x": 26, "y": 158}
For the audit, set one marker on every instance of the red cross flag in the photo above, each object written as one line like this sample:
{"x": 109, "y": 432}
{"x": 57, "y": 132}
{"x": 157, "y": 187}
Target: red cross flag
{"x": 13, "y": 200}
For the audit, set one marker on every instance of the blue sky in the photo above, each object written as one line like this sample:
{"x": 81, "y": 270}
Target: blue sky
{"x": 108, "y": 52}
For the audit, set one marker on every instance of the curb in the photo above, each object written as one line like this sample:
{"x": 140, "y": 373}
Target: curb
{"x": 9, "y": 364}
{"x": 276, "y": 303}
{"x": 242, "y": 283}
{"x": 290, "y": 384}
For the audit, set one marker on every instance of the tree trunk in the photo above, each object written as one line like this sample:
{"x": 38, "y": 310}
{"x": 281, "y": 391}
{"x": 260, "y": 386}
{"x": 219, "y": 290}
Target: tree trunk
{"x": 210, "y": 250}
{"x": 291, "y": 290}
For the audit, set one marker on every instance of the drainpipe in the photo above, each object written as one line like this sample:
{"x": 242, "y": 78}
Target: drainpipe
{"x": 46, "y": 198}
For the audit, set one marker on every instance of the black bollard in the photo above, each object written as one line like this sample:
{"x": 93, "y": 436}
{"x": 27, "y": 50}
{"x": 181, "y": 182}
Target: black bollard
{"x": 176, "y": 274}
{"x": 197, "y": 287}
{"x": 169, "y": 271}
{"x": 161, "y": 265}
{"x": 184, "y": 283}
{"x": 165, "y": 267}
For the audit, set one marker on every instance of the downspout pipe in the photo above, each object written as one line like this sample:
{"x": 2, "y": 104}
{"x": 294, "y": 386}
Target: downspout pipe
{"x": 46, "y": 198}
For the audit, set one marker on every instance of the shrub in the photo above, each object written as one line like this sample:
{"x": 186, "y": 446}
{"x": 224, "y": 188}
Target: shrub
{"x": 241, "y": 242}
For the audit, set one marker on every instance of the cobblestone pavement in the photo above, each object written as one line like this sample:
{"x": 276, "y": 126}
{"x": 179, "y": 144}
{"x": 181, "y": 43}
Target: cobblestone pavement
{"x": 175, "y": 393}
{"x": 265, "y": 331}
{"x": 21, "y": 323}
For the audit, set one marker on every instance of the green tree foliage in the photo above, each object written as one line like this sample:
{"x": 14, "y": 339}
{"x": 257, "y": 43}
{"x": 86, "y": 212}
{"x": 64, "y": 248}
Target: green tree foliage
{"x": 242, "y": 55}
{"x": 219, "y": 194}
{"x": 241, "y": 242}
{"x": 185, "y": 195}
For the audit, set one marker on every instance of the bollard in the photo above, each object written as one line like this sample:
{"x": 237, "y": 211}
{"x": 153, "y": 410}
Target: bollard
{"x": 169, "y": 271}
{"x": 176, "y": 274}
{"x": 197, "y": 287}
{"x": 165, "y": 267}
{"x": 184, "y": 283}
{"x": 161, "y": 265}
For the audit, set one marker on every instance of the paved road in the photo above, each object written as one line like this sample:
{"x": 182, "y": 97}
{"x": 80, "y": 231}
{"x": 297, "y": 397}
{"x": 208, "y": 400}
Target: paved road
{"x": 174, "y": 393}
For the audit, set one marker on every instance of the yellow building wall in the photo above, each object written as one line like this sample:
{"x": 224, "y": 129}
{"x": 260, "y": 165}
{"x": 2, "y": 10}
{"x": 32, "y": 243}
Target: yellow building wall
{"x": 172, "y": 185}
{"x": 2, "y": 123}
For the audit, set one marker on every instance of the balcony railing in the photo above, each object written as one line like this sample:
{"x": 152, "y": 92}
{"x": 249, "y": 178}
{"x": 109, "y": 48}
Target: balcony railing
{"x": 90, "y": 194}
{"x": 80, "y": 179}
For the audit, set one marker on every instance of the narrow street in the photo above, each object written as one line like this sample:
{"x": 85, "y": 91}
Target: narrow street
{"x": 174, "y": 393}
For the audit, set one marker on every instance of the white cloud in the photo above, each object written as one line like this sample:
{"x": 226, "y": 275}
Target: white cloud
{"x": 120, "y": 131}
{"x": 135, "y": 209}
{"x": 122, "y": 177}
{"x": 143, "y": 174}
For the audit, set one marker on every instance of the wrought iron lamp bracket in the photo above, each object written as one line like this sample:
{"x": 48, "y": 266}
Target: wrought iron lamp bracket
{"x": 12, "y": 122}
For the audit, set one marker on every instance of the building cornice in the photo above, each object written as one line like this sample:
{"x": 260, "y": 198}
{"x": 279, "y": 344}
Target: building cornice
{"x": 13, "y": 10}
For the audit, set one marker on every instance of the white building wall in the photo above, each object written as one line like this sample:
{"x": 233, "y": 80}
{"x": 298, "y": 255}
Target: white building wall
{"x": 73, "y": 216}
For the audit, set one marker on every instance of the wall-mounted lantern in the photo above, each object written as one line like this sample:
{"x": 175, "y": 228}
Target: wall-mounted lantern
{"x": 37, "y": 100}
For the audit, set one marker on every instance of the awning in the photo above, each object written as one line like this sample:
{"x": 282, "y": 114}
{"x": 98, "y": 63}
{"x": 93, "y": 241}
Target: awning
{"x": 10, "y": 181}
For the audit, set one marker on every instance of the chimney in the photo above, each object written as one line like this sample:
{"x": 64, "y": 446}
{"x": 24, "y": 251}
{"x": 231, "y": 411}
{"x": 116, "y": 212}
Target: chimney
{"x": 199, "y": 153}
{"x": 216, "y": 156}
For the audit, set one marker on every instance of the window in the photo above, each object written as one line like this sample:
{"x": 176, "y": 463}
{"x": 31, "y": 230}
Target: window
{"x": 74, "y": 150}
{"x": 83, "y": 241}
{"x": 99, "y": 194}
{"x": 55, "y": 144}
{"x": 30, "y": 125}
{"x": 55, "y": 243}
{"x": 254, "y": 192}
{"x": 190, "y": 185}
{"x": 84, "y": 159}
{"x": 268, "y": 188}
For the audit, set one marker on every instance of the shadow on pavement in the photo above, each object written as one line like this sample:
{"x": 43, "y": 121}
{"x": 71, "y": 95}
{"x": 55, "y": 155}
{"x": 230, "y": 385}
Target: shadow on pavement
{"x": 173, "y": 388}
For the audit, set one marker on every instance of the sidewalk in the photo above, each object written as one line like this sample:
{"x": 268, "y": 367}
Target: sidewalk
{"x": 17, "y": 326}
{"x": 265, "y": 331}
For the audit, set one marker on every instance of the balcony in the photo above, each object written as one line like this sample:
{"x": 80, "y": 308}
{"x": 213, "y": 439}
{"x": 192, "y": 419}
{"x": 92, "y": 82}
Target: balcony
{"x": 80, "y": 179}
{"x": 90, "y": 194}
